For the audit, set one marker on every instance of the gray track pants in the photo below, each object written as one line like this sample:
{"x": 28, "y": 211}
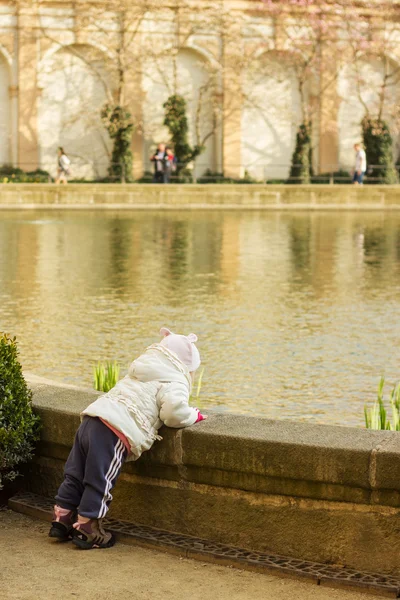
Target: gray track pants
{"x": 92, "y": 469}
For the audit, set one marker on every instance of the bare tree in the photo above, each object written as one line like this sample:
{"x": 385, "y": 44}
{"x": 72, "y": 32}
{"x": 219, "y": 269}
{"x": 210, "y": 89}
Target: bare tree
{"x": 373, "y": 41}
{"x": 141, "y": 39}
{"x": 304, "y": 41}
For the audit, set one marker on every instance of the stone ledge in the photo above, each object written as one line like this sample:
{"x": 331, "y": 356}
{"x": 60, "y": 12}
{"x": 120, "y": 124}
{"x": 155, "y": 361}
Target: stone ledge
{"x": 254, "y": 454}
{"x": 197, "y": 197}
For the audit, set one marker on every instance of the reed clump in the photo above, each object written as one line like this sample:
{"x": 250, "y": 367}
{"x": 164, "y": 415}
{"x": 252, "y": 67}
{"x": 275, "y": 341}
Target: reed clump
{"x": 377, "y": 416}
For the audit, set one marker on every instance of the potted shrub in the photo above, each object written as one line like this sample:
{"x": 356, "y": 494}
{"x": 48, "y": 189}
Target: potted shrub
{"x": 19, "y": 426}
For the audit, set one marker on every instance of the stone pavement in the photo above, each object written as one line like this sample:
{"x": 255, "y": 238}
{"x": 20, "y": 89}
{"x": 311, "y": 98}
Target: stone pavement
{"x": 33, "y": 567}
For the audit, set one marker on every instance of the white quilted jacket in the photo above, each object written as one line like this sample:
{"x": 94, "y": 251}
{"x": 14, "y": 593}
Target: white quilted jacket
{"x": 155, "y": 391}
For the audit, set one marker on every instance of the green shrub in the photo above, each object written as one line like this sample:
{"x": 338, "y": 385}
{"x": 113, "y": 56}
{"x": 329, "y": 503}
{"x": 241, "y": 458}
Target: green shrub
{"x": 376, "y": 416}
{"x": 9, "y": 174}
{"x": 38, "y": 176}
{"x": 336, "y": 177}
{"x": 211, "y": 177}
{"x": 301, "y": 169}
{"x": 18, "y": 425}
{"x": 378, "y": 145}
{"x": 105, "y": 376}
{"x": 147, "y": 177}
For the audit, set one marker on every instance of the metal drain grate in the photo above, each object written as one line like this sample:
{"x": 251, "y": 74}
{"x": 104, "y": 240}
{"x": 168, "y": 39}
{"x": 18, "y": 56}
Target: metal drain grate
{"x": 206, "y": 550}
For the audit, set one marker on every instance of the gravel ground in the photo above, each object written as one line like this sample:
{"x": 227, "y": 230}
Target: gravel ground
{"x": 33, "y": 567}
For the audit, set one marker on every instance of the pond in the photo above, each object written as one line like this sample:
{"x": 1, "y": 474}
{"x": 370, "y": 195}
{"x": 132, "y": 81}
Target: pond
{"x": 298, "y": 314}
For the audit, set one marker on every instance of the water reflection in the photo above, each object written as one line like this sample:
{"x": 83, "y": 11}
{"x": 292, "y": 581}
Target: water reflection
{"x": 298, "y": 315}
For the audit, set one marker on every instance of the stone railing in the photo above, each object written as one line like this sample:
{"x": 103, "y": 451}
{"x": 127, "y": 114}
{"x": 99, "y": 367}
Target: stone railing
{"x": 321, "y": 493}
{"x": 212, "y": 196}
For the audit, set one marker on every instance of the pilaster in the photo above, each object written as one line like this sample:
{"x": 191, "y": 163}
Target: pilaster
{"x": 232, "y": 101}
{"x": 328, "y": 110}
{"x": 28, "y": 146}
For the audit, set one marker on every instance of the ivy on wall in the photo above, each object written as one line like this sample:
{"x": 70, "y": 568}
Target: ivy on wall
{"x": 378, "y": 146}
{"x": 118, "y": 122}
{"x": 301, "y": 168}
{"x": 176, "y": 121}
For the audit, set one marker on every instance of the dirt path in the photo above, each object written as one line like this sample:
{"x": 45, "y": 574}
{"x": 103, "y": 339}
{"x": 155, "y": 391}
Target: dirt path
{"x": 33, "y": 567}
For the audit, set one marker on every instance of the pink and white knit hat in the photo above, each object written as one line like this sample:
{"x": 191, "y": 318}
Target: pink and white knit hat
{"x": 183, "y": 346}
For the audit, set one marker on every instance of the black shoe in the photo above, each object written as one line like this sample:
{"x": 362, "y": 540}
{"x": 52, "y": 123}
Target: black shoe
{"x": 61, "y": 527}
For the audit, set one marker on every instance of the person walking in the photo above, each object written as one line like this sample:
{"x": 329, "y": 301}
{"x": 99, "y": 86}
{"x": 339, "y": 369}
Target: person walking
{"x": 361, "y": 164}
{"x": 63, "y": 166}
{"x": 159, "y": 159}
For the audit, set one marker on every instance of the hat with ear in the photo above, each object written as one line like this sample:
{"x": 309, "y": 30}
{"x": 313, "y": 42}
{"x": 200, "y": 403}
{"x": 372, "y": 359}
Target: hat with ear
{"x": 183, "y": 346}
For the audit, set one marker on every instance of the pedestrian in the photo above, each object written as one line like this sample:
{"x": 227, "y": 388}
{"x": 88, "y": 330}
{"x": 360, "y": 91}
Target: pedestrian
{"x": 159, "y": 159}
{"x": 63, "y": 166}
{"x": 361, "y": 164}
{"x": 120, "y": 425}
{"x": 170, "y": 164}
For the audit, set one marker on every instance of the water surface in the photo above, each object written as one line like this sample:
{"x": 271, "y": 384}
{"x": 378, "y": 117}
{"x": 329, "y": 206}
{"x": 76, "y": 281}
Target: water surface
{"x": 297, "y": 314}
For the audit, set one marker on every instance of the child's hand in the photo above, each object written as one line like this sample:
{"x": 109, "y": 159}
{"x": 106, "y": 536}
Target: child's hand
{"x": 200, "y": 417}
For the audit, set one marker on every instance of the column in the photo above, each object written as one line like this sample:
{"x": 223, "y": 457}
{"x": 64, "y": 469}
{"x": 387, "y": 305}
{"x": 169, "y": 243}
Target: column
{"x": 13, "y": 94}
{"x": 135, "y": 95}
{"x": 328, "y": 113}
{"x": 232, "y": 101}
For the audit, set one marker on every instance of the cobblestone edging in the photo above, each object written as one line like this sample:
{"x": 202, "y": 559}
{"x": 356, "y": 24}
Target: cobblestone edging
{"x": 201, "y": 549}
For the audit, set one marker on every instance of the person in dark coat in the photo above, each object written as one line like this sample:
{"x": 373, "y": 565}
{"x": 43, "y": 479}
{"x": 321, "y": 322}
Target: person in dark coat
{"x": 159, "y": 159}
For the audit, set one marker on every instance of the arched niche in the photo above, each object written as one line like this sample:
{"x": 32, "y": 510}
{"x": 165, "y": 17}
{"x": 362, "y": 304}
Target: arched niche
{"x": 271, "y": 115}
{"x": 74, "y": 85}
{"x": 196, "y": 83}
{"x": 358, "y": 87}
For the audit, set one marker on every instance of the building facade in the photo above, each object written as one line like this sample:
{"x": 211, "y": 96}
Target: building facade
{"x": 251, "y": 73}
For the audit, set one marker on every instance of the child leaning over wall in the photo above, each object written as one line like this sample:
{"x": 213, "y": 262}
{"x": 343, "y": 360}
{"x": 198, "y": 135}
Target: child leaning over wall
{"x": 120, "y": 425}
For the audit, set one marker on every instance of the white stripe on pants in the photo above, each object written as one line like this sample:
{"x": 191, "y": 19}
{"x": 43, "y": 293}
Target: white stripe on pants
{"x": 111, "y": 473}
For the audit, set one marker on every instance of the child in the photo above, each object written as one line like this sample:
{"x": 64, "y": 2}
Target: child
{"x": 123, "y": 423}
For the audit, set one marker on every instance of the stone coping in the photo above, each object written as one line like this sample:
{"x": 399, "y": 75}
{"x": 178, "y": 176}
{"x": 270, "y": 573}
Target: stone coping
{"x": 245, "y": 453}
{"x": 199, "y": 196}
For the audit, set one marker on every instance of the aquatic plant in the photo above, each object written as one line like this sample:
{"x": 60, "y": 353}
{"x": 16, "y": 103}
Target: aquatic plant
{"x": 199, "y": 383}
{"x": 376, "y": 417}
{"x": 105, "y": 376}
{"x": 196, "y": 391}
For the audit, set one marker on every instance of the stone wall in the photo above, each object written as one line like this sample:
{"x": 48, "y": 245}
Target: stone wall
{"x": 148, "y": 196}
{"x": 329, "y": 494}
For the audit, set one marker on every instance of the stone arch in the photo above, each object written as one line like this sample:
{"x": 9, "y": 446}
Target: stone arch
{"x": 74, "y": 85}
{"x": 5, "y": 107}
{"x": 96, "y": 49}
{"x": 352, "y": 110}
{"x": 193, "y": 81}
{"x": 271, "y": 115}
